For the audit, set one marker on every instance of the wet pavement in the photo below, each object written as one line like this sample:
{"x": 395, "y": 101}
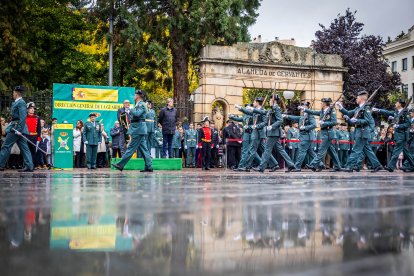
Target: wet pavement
{"x": 206, "y": 223}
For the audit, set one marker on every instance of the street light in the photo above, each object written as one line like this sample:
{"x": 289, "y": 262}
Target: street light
{"x": 288, "y": 95}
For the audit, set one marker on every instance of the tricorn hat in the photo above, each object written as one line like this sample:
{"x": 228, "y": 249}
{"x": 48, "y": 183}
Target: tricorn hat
{"x": 402, "y": 102}
{"x": 363, "y": 92}
{"x": 259, "y": 99}
{"x": 141, "y": 92}
{"x": 19, "y": 88}
{"x": 343, "y": 124}
{"x": 31, "y": 104}
{"x": 326, "y": 100}
{"x": 205, "y": 119}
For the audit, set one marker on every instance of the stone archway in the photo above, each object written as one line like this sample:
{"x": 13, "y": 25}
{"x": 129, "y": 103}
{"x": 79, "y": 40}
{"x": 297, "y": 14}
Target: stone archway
{"x": 224, "y": 71}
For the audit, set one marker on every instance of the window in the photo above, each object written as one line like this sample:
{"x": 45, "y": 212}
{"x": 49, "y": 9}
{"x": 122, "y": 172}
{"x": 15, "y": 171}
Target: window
{"x": 394, "y": 66}
{"x": 404, "y": 64}
{"x": 404, "y": 89}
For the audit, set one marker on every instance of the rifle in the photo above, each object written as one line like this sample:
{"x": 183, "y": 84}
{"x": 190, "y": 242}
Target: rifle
{"x": 368, "y": 101}
{"x": 330, "y": 107}
{"x": 397, "y": 118}
{"x": 257, "y": 116}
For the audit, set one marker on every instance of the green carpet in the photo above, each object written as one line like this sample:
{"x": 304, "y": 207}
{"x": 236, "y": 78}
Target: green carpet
{"x": 157, "y": 164}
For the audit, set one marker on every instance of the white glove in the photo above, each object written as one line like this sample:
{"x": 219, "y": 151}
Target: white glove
{"x": 185, "y": 147}
{"x": 284, "y": 115}
{"x": 290, "y": 147}
{"x": 346, "y": 117}
{"x": 18, "y": 133}
{"x": 245, "y": 127}
{"x": 269, "y": 128}
{"x": 99, "y": 143}
{"x": 339, "y": 105}
{"x": 396, "y": 126}
{"x": 196, "y": 147}
{"x": 301, "y": 107}
{"x": 353, "y": 120}
{"x": 374, "y": 109}
{"x": 253, "y": 126}
{"x": 237, "y": 106}
{"x": 302, "y": 127}
{"x": 390, "y": 118}
{"x": 86, "y": 142}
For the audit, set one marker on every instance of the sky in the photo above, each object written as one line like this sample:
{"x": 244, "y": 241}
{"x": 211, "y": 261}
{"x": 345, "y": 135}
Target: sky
{"x": 300, "y": 19}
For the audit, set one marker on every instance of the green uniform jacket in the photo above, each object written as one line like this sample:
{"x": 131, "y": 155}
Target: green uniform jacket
{"x": 191, "y": 138}
{"x": 138, "y": 126}
{"x": 176, "y": 143}
{"x": 247, "y": 121}
{"x": 19, "y": 114}
{"x": 92, "y": 134}
{"x": 344, "y": 136}
{"x": 158, "y": 139}
{"x": 364, "y": 122}
{"x": 151, "y": 120}
{"x": 401, "y": 133}
{"x": 309, "y": 122}
{"x": 327, "y": 131}
{"x": 293, "y": 134}
{"x": 274, "y": 119}
{"x": 258, "y": 117}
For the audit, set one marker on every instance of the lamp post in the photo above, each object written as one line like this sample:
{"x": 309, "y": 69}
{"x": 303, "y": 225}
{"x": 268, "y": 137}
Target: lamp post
{"x": 288, "y": 95}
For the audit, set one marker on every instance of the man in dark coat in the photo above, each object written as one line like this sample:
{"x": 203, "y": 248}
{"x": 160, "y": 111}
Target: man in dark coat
{"x": 168, "y": 120}
{"x": 233, "y": 138}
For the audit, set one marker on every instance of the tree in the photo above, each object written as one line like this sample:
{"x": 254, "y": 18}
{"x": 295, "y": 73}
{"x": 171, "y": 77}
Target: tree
{"x": 185, "y": 26}
{"x": 361, "y": 54}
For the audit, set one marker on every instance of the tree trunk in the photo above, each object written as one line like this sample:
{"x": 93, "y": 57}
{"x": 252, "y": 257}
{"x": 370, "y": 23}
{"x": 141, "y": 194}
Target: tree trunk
{"x": 180, "y": 75}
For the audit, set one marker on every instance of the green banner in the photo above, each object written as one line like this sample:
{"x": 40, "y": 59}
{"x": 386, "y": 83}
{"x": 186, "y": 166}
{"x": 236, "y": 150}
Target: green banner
{"x": 73, "y": 102}
{"x": 63, "y": 146}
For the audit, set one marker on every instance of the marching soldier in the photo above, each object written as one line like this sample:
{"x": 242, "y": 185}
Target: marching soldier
{"x": 190, "y": 145}
{"x": 344, "y": 141}
{"x": 327, "y": 121}
{"x": 138, "y": 132}
{"x": 401, "y": 133}
{"x": 15, "y": 131}
{"x": 293, "y": 135}
{"x": 247, "y": 121}
{"x": 273, "y": 132}
{"x": 307, "y": 124}
{"x": 92, "y": 135}
{"x": 361, "y": 118}
{"x": 151, "y": 125}
{"x": 411, "y": 139}
{"x": 258, "y": 133}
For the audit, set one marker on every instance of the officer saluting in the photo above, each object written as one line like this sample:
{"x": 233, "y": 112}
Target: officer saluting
{"x": 92, "y": 135}
{"x": 138, "y": 131}
{"x": 14, "y": 132}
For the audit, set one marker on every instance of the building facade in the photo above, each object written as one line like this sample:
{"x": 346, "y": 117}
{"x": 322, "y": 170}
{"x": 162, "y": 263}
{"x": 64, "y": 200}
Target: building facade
{"x": 400, "y": 56}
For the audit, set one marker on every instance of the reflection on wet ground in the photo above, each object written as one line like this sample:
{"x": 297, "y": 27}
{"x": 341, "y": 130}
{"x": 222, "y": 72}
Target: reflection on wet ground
{"x": 110, "y": 223}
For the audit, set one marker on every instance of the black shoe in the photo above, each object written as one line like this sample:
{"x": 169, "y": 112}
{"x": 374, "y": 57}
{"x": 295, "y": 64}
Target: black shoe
{"x": 1, "y": 169}
{"x": 258, "y": 169}
{"x": 290, "y": 169}
{"x": 407, "y": 170}
{"x": 318, "y": 169}
{"x": 147, "y": 170}
{"x": 389, "y": 169}
{"x": 357, "y": 169}
{"x": 116, "y": 166}
{"x": 296, "y": 170}
{"x": 310, "y": 168}
{"x": 25, "y": 170}
{"x": 93, "y": 168}
{"x": 207, "y": 169}
{"x": 275, "y": 168}
{"x": 347, "y": 170}
{"x": 377, "y": 169}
